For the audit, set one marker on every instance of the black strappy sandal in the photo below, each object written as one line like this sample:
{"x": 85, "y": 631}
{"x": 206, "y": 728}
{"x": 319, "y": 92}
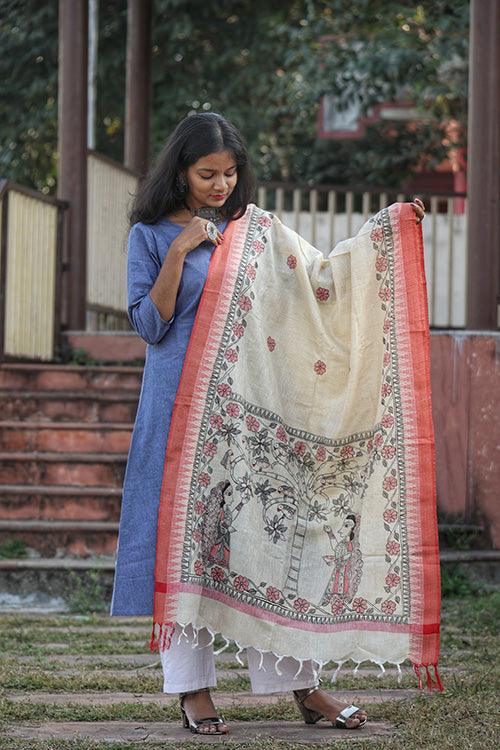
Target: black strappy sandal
{"x": 194, "y": 724}
{"x": 311, "y": 716}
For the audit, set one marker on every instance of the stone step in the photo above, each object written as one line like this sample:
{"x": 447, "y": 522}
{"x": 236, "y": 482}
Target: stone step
{"x": 50, "y": 467}
{"x": 108, "y": 346}
{"x": 122, "y": 732}
{"x": 48, "y": 538}
{"x": 27, "y": 583}
{"x": 59, "y": 502}
{"x": 85, "y": 405}
{"x": 44, "y": 376}
{"x": 55, "y": 564}
{"x": 221, "y": 699}
{"x": 92, "y": 437}
{"x": 72, "y": 563}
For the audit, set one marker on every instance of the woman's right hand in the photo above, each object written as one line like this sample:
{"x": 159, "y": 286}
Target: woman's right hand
{"x": 193, "y": 234}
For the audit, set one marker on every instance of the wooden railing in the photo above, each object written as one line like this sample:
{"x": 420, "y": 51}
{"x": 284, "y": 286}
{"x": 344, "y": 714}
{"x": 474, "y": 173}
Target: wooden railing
{"x": 30, "y": 272}
{"x": 110, "y": 189}
{"x": 32, "y": 306}
{"x": 324, "y": 215}
{"x": 327, "y": 214}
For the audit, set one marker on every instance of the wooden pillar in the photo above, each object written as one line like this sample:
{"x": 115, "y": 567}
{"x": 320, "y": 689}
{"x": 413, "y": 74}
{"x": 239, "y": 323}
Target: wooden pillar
{"x": 72, "y": 149}
{"x": 138, "y": 85}
{"x": 483, "y": 282}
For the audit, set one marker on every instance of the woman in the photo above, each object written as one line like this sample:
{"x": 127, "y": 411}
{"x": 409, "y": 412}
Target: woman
{"x": 200, "y": 187}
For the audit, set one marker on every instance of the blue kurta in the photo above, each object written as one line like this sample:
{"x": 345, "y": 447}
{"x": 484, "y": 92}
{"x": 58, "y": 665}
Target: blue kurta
{"x": 167, "y": 343}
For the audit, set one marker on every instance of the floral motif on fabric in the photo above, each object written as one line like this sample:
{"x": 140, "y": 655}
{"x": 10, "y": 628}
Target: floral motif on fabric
{"x": 391, "y": 521}
{"x": 301, "y": 483}
{"x": 322, "y": 293}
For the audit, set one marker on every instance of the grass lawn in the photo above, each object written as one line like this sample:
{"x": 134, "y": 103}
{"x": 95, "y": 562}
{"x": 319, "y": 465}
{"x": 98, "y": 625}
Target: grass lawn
{"x": 464, "y": 716}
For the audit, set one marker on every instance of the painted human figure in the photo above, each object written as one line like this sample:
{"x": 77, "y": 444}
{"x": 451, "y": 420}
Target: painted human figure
{"x": 346, "y": 560}
{"x": 218, "y": 525}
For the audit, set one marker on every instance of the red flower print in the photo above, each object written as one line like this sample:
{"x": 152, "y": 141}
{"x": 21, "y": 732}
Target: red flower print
{"x": 338, "y": 606}
{"x": 198, "y": 568}
{"x": 392, "y": 548}
{"x": 387, "y": 326}
{"x": 258, "y": 246}
{"x": 392, "y": 579}
{"x": 359, "y": 605}
{"x": 199, "y": 507}
{"x": 388, "y": 451}
{"x": 273, "y": 594}
{"x": 231, "y": 355}
{"x": 218, "y": 574}
{"x": 233, "y": 409}
{"x": 347, "y": 451}
{"x": 252, "y": 423}
{"x": 319, "y": 367}
{"x": 250, "y": 271}
{"x": 387, "y": 358}
{"x": 387, "y": 420}
{"x": 379, "y": 439}
{"x": 281, "y": 434}
{"x": 223, "y": 389}
{"x": 241, "y": 583}
{"x": 388, "y": 606}
{"x": 381, "y": 263}
{"x": 216, "y": 421}
{"x": 386, "y": 389}
{"x": 321, "y": 453}
{"x": 384, "y": 294}
{"x": 369, "y": 445}
{"x": 271, "y": 343}
{"x": 390, "y": 515}
{"x": 389, "y": 483}
{"x": 291, "y": 261}
{"x": 301, "y": 605}
{"x": 322, "y": 293}
{"x": 204, "y": 479}
{"x": 299, "y": 448}
{"x": 264, "y": 221}
{"x": 196, "y": 535}
{"x": 245, "y": 303}
{"x": 238, "y": 329}
{"x": 376, "y": 234}
{"x": 210, "y": 449}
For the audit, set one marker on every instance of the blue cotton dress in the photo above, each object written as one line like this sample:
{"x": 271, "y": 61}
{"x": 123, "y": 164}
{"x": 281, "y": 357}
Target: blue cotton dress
{"x": 167, "y": 342}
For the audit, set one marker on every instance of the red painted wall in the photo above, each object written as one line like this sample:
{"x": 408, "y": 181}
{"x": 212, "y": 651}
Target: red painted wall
{"x": 465, "y": 379}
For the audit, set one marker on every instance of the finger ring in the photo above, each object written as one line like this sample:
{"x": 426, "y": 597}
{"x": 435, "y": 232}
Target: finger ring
{"x": 211, "y": 230}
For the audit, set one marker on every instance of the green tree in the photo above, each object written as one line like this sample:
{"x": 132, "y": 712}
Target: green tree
{"x": 264, "y": 66}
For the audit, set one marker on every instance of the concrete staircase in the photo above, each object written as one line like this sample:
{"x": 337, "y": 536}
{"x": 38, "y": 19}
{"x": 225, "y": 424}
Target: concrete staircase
{"x": 64, "y": 437}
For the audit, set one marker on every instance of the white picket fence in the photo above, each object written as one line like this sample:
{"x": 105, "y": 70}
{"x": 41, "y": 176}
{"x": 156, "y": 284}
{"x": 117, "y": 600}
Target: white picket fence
{"x": 321, "y": 215}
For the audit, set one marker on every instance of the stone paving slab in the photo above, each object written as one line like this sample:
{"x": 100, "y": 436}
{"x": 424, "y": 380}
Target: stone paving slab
{"x": 144, "y": 661}
{"x": 147, "y": 659}
{"x": 220, "y": 699}
{"x": 120, "y": 674}
{"x": 138, "y": 630}
{"x": 127, "y": 731}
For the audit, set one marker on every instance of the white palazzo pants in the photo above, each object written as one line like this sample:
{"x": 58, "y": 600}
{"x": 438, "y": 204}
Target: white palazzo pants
{"x": 186, "y": 668}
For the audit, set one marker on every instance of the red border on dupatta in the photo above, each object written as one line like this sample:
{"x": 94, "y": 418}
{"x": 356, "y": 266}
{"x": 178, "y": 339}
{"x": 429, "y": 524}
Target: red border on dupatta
{"x": 424, "y": 638}
{"x": 424, "y": 645}
{"x": 170, "y": 521}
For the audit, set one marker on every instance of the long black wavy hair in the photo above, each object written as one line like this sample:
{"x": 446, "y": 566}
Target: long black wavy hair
{"x": 195, "y": 136}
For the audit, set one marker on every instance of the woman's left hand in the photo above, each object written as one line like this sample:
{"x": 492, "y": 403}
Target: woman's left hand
{"x": 419, "y": 209}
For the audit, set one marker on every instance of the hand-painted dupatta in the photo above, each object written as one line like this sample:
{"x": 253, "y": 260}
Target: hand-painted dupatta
{"x": 298, "y": 505}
